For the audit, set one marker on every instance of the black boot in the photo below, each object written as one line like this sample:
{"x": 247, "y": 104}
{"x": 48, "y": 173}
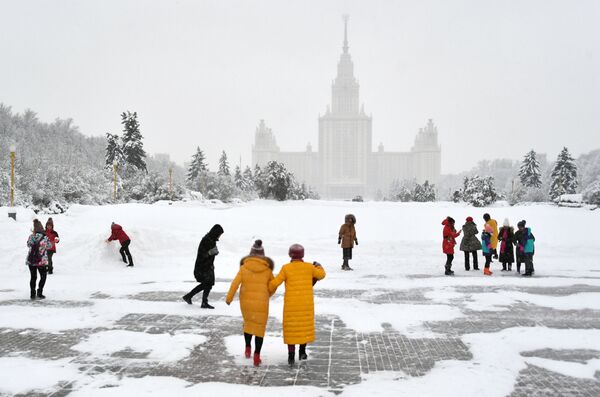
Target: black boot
{"x": 32, "y": 296}
{"x": 40, "y": 295}
{"x": 291, "y": 358}
{"x": 187, "y": 299}
{"x": 302, "y": 353}
{"x": 448, "y": 272}
{"x": 504, "y": 267}
{"x": 205, "y": 305}
{"x": 50, "y": 270}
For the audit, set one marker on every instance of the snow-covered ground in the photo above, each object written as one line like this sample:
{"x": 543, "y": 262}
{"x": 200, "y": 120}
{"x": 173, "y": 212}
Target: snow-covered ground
{"x": 400, "y": 250}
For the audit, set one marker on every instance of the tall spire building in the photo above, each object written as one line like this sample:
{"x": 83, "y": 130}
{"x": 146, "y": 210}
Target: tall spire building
{"x": 345, "y": 165}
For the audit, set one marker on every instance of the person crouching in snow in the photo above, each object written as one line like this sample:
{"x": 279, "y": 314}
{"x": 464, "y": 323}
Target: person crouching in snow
{"x": 37, "y": 258}
{"x": 486, "y": 246}
{"x": 298, "y": 301}
{"x": 204, "y": 268}
{"x": 256, "y": 271}
{"x": 347, "y": 238}
{"x": 117, "y": 233}
{"x": 526, "y": 246}
{"x": 448, "y": 243}
{"x": 506, "y": 236}
{"x": 53, "y": 239}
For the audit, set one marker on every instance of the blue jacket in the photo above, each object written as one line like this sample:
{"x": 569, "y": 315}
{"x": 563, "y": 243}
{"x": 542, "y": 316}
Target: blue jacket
{"x": 527, "y": 241}
{"x": 486, "y": 243}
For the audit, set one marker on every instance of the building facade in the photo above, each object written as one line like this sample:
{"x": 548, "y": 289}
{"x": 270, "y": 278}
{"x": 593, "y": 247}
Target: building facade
{"x": 345, "y": 164}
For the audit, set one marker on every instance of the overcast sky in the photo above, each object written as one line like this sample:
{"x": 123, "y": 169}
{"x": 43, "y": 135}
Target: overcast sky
{"x": 497, "y": 77}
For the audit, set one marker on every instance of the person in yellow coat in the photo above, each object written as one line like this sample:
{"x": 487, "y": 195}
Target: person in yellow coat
{"x": 298, "y": 302}
{"x": 494, "y": 241}
{"x": 256, "y": 271}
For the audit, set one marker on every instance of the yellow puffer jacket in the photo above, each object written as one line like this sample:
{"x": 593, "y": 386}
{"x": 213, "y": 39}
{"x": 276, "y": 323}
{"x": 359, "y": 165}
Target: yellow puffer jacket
{"x": 298, "y": 303}
{"x": 255, "y": 274}
{"x": 494, "y": 240}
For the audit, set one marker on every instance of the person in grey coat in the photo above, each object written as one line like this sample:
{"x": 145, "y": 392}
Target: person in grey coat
{"x": 470, "y": 244}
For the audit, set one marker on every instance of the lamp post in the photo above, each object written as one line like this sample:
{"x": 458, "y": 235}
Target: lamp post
{"x": 171, "y": 183}
{"x": 115, "y": 166}
{"x": 12, "y": 212}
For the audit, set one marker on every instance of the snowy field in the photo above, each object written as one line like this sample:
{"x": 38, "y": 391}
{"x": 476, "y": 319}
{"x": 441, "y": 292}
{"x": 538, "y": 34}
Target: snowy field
{"x": 105, "y": 329}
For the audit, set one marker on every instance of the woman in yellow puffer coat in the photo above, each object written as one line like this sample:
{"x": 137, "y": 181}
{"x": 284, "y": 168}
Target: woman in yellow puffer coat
{"x": 256, "y": 271}
{"x": 298, "y": 303}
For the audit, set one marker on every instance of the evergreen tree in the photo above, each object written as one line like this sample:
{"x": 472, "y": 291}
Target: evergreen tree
{"x": 278, "y": 181}
{"x": 133, "y": 148}
{"x": 529, "y": 172}
{"x": 223, "y": 165}
{"x": 114, "y": 154}
{"x": 564, "y": 175}
{"x": 248, "y": 179}
{"x": 196, "y": 169}
{"x": 479, "y": 191}
{"x": 238, "y": 178}
{"x": 424, "y": 193}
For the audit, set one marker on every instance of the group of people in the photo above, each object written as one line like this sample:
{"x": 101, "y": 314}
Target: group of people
{"x": 257, "y": 283}
{"x": 522, "y": 239}
{"x": 42, "y": 247}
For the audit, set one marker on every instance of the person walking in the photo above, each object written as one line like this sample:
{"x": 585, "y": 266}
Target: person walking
{"x": 37, "y": 259}
{"x": 470, "y": 244}
{"x": 506, "y": 237}
{"x": 53, "y": 239}
{"x": 527, "y": 247}
{"x": 256, "y": 271}
{"x": 486, "y": 246}
{"x": 298, "y": 301}
{"x": 494, "y": 238}
{"x": 449, "y": 233}
{"x": 347, "y": 239}
{"x": 204, "y": 268}
{"x": 117, "y": 233}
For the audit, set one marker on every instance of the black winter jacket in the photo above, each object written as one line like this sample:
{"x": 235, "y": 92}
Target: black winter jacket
{"x": 204, "y": 269}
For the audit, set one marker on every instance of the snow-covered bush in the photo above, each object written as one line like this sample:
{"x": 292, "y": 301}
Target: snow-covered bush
{"x": 591, "y": 195}
{"x": 479, "y": 191}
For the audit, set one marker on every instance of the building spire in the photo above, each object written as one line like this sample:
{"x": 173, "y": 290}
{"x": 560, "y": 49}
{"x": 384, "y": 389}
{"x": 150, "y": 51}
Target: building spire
{"x": 345, "y": 17}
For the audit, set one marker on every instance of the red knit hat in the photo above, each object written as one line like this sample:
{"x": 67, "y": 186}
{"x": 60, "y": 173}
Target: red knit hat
{"x": 469, "y": 219}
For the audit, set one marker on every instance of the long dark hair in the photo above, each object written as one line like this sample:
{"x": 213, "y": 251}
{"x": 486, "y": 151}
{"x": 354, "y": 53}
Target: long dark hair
{"x": 38, "y": 227}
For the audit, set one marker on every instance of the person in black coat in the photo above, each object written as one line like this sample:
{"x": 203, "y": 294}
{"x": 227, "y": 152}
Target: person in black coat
{"x": 506, "y": 237}
{"x": 204, "y": 268}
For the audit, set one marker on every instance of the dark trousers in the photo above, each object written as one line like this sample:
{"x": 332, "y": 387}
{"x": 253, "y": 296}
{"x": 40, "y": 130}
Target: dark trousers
{"x": 50, "y": 264}
{"x": 33, "y": 270}
{"x": 449, "y": 259}
{"x": 488, "y": 260}
{"x": 201, "y": 287}
{"x": 528, "y": 263}
{"x": 292, "y": 349}
{"x": 258, "y": 342}
{"x": 125, "y": 251}
{"x": 475, "y": 260}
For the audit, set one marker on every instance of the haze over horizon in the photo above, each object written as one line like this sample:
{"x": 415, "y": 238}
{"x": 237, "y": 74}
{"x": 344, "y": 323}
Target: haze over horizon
{"x": 498, "y": 79}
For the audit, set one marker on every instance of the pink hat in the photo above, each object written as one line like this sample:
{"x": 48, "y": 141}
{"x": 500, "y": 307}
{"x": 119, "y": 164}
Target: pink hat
{"x": 489, "y": 228}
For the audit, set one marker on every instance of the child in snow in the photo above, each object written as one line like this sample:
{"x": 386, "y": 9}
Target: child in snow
{"x": 448, "y": 243}
{"x": 494, "y": 239}
{"x": 53, "y": 239}
{"x": 204, "y": 268}
{"x": 37, "y": 259}
{"x": 298, "y": 302}
{"x": 117, "y": 233}
{"x": 347, "y": 238}
{"x": 470, "y": 244}
{"x": 486, "y": 246}
{"x": 506, "y": 236}
{"x": 256, "y": 271}
{"x": 526, "y": 246}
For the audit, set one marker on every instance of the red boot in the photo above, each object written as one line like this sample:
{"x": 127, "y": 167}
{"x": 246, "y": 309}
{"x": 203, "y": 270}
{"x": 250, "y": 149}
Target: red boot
{"x": 257, "y": 360}
{"x": 486, "y": 271}
{"x": 248, "y": 351}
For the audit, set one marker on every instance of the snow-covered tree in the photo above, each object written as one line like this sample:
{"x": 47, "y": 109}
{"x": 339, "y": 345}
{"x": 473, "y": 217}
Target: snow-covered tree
{"x": 114, "y": 152}
{"x": 223, "y": 165}
{"x": 591, "y": 194}
{"x": 424, "y": 193}
{"x": 479, "y": 191}
{"x": 133, "y": 147}
{"x": 401, "y": 190}
{"x": 564, "y": 175}
{"x": 529, "y": 173}
{"x": 196, "y": 169}
{"x": 275, "y": 181}
{"x": 238, "y": 178}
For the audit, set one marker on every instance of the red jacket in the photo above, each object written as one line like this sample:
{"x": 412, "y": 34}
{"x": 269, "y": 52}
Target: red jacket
{"x": 52, "y": 236}
{"x": 117, "y": 233}
{"x": 450, "y": 235}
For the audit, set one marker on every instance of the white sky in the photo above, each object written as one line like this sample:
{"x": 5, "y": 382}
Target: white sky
{"x": 497, "y": 77}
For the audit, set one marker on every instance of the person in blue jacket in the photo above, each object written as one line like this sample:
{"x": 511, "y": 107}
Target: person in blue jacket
{"x": 526, "y": 246}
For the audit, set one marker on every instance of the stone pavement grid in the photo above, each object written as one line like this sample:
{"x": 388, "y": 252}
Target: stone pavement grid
{"x": 339, "y": 357}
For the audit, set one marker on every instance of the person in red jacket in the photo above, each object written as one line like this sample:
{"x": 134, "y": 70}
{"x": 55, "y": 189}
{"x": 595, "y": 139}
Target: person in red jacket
{"x": 448, "y": 243}
{"x": 117, "y": 233}
{"x": 53, "y": 239}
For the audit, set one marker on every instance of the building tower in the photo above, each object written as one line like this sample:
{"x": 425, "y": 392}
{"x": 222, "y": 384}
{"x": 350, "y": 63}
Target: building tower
{"x": 344, "y": 134}
{"x": 265, "y": 147}
{"x": 426, "y": 154}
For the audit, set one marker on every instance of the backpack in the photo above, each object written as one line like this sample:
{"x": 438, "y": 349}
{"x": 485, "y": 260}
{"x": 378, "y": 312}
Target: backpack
{"x": 34, "y": 257}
